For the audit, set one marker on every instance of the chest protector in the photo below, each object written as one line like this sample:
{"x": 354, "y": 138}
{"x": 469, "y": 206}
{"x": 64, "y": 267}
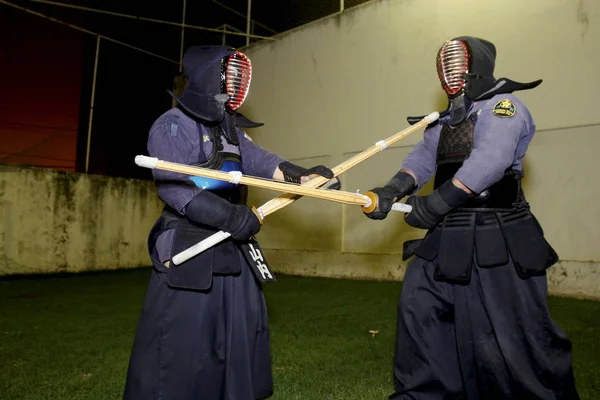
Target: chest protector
{"x": 454, "y": 147}
{"x": 488, "y": 231}
{"x": 219, "y": 151}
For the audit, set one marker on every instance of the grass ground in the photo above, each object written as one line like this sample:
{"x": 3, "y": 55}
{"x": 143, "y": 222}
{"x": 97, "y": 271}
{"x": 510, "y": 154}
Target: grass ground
{"x": 69, "y": 337}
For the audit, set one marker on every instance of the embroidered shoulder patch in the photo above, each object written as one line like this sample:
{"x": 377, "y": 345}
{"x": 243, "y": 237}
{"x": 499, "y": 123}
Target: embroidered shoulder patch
{"x": 504, "y": 108}
{"x": 170, "y": 125}
{"x": 174, "y": 126}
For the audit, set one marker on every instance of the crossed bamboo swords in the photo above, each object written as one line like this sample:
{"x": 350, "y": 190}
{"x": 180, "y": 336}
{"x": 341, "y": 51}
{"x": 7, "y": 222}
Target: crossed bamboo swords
{"x": 292, "y": 192}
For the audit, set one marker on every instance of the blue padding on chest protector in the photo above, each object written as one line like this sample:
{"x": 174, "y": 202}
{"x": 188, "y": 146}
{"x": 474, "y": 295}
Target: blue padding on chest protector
{"x": 214, "y": 184}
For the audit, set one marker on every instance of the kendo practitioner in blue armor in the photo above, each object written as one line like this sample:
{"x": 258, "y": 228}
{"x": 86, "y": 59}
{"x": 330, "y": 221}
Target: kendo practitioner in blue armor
{"x": 203, "y": 332}
{"x": 473, "y": 321}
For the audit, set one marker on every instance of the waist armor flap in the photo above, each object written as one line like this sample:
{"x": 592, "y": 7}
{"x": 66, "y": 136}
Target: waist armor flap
{"x": 491, "y": 230}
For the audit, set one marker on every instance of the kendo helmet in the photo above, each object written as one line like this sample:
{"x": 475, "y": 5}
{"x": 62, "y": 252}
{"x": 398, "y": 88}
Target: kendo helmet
{"x": 465, "y": 65}
{"x": 218, "y": 79}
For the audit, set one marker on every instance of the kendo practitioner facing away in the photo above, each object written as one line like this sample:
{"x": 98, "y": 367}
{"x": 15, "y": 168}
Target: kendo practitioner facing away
{"x": 203, "y": 331}
{"x": 473, "y": 322}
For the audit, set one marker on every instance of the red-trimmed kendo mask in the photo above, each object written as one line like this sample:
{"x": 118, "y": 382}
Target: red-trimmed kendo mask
{"x": 452, "y": 64}
{"x": 236, "y": 75}
{"x": 466, "y": 65}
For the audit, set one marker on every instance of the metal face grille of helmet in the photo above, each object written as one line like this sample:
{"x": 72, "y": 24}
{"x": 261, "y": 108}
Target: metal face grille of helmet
{"x": 238, "y": 75}
{"x": 452, "y": 65}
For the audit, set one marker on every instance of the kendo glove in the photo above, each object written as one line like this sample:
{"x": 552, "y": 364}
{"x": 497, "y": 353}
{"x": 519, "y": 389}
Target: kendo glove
{"x": 237, "y": 219}
{"x": 294, "y": 173}
{"x": 427, "y": 210}
{"x": 399, "y": 186}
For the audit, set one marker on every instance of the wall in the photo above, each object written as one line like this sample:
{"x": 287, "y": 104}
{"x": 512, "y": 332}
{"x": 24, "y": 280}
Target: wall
{"x": 53, "y": 221}
{"x": 334, "y": 87}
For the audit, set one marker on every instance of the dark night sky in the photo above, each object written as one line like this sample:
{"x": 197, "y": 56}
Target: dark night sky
{"x": 46, "y": 72}
{"x": 39, "y": 101}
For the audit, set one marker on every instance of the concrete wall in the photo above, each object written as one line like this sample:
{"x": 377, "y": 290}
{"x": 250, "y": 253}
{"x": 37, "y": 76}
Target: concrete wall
{"x": 333, "y": 88}
{"x": 53, "y": 221}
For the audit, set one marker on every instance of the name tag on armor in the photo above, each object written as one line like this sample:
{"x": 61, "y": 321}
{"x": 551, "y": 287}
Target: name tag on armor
{"x": 257, "y": 261}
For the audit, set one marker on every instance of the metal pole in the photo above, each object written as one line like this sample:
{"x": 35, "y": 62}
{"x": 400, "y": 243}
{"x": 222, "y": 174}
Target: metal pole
{"x": 243, "y": 15}
{"x": 341, "y": 5}
{"x": 248, "y": 22}
{"x": 89, "y": 138}
{"x": 173, "y": 101}
{"x": 182, "y": 37}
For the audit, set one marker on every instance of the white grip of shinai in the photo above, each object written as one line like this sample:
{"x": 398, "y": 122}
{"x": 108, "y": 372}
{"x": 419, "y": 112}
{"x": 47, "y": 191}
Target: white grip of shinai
{"x": 432, "y": 117}
{"x": 401, "y": 207}
{"x": 146, "y": 162}
{"x": 200, "y": 247}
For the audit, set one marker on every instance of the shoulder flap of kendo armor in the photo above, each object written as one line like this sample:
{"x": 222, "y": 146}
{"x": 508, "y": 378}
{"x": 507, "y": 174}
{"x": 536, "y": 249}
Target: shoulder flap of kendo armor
{"x": 243, "y": 122}
{"x": 505, "y": 85}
